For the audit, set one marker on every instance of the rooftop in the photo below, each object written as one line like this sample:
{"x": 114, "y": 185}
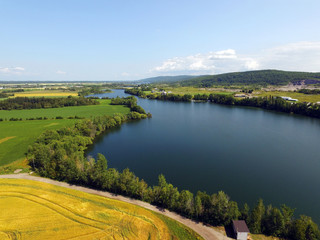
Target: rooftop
{"x": 240, "y": 226}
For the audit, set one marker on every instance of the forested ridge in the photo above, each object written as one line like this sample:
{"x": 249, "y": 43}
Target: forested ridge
{"x": 60, "y": 155}
{"x": 261, "y": 78}
{"x": 19, "y": 103}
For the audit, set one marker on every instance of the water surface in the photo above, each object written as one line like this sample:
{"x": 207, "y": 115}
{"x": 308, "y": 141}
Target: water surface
{"x": 248, "y": 153}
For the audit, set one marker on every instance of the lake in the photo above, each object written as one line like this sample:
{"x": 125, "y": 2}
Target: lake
{"x": 248, "y": 153}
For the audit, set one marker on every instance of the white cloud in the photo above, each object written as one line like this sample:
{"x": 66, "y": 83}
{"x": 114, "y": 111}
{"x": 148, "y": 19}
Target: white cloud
{"x": 12, "y": 70}
{"x": 61, "y": 72}
{"x": 125, "y": 74}
{"x": 208, "y": 63}
{"x": 301, "y": 56}
{"x": 19, "y": 68}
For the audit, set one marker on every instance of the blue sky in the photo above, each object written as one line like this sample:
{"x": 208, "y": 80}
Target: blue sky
{"x": 123, "y": 40}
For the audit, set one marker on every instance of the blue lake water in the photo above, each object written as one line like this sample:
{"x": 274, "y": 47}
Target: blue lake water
{"x": 248, "y": 153}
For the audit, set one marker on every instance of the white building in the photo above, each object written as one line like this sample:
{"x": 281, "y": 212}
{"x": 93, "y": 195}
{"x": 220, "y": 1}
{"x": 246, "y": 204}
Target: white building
{"x": 240, "y": 229}
{"x": 290, "y": 99}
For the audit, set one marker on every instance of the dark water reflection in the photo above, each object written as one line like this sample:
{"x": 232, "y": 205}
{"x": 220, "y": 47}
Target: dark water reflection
{"x": 248, "y": 153}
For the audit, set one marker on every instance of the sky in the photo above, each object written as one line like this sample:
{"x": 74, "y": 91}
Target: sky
{"x": 129, "y": 40}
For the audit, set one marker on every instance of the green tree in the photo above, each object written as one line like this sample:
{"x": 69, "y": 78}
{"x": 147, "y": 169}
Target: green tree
{"x": 256, "y": 217}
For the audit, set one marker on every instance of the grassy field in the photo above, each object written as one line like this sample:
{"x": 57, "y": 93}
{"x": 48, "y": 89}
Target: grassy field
{"x": 16, "y": 136}
{"x": 300, "y": 96}
{"x": 104, "y": 108}
{"x": 193, "y": 91}
{"x": 45, "y": 93}
{"x": 34, "y": 210}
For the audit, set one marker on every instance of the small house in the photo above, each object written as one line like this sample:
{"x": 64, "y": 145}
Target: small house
{"x": 240, "y": 229}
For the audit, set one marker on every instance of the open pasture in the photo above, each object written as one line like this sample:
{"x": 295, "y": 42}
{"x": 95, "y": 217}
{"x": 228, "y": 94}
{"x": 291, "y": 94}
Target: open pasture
{"x": 300, "y": 96}
{"x": 194, "y": 90}
{"x": 34, "y": 210}
{"x": 16, "y": 136}
{"x": 104, "y": 108}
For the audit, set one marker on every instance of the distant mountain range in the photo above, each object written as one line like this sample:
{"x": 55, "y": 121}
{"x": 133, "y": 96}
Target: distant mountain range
{"x": 260, "y": 77}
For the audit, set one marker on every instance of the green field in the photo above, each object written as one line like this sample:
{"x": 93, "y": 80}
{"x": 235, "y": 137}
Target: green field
{"x": 16, "y": 136}
{"x": 194, "y": 90}
{"x": 36, "y": 210}
{"x": 104, "y": 108}
{"x": 300, "y": 96}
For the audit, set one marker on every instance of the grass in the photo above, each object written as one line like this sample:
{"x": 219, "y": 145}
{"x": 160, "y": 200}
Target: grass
{"x": 193, "y": 90}
{"x": 104, "y": 108}
{"x": 300, "y": 96}
{"x": 262, "y": 237}
{"x": 35, "y": 210}
{"x": 16, "y": 136}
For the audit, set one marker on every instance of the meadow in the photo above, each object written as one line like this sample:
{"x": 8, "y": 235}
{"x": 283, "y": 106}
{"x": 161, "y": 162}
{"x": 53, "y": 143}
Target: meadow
{"x": 194, "y": 90}
{"x": 35, "y": 210}
{"x": 300, "y": 96}
{"x": 104, "y": 108}
{"x": 16, "y": 136}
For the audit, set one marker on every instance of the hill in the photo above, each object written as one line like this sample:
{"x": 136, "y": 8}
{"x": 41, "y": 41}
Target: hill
{"x": 261, "y": 78}
{"x": 166, "y": 79}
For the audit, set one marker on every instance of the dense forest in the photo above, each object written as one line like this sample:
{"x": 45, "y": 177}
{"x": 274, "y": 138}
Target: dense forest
{"x": 19, "y": 103}
{"x": 60, "y": 154}
{"x": 261, "y": 78}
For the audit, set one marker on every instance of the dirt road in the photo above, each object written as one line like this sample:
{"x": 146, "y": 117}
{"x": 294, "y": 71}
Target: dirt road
{"x": 204, "y": 231}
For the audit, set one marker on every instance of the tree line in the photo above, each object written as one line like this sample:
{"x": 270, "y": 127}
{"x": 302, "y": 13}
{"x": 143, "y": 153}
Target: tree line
{"x": 309, "y": 91}
{"x": 19, "y": 103}
{"x": 60, "y": 155}
{"x": 130, "y": 102}
{"x": 268, "y": 102}
{"x": 159, "y": 96}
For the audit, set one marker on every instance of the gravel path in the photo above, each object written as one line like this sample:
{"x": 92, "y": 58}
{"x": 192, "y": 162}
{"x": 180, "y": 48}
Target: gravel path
{"x": 204, "y": 231}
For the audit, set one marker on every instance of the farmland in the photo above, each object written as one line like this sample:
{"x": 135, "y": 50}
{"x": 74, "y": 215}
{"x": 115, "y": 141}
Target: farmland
{"x": 45, "y": 93}
{"x": 34, "y": 210}
{"x": 104, "y": 108}
{"x": 300, "y": 96}
{"x": 195, "y": 90}
{"x": 16, "y": 136}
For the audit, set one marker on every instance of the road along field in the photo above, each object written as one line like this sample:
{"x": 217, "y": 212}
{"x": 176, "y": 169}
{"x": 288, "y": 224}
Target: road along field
{"x": 36, "y": 210}
{"x": 16, "y": 136}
